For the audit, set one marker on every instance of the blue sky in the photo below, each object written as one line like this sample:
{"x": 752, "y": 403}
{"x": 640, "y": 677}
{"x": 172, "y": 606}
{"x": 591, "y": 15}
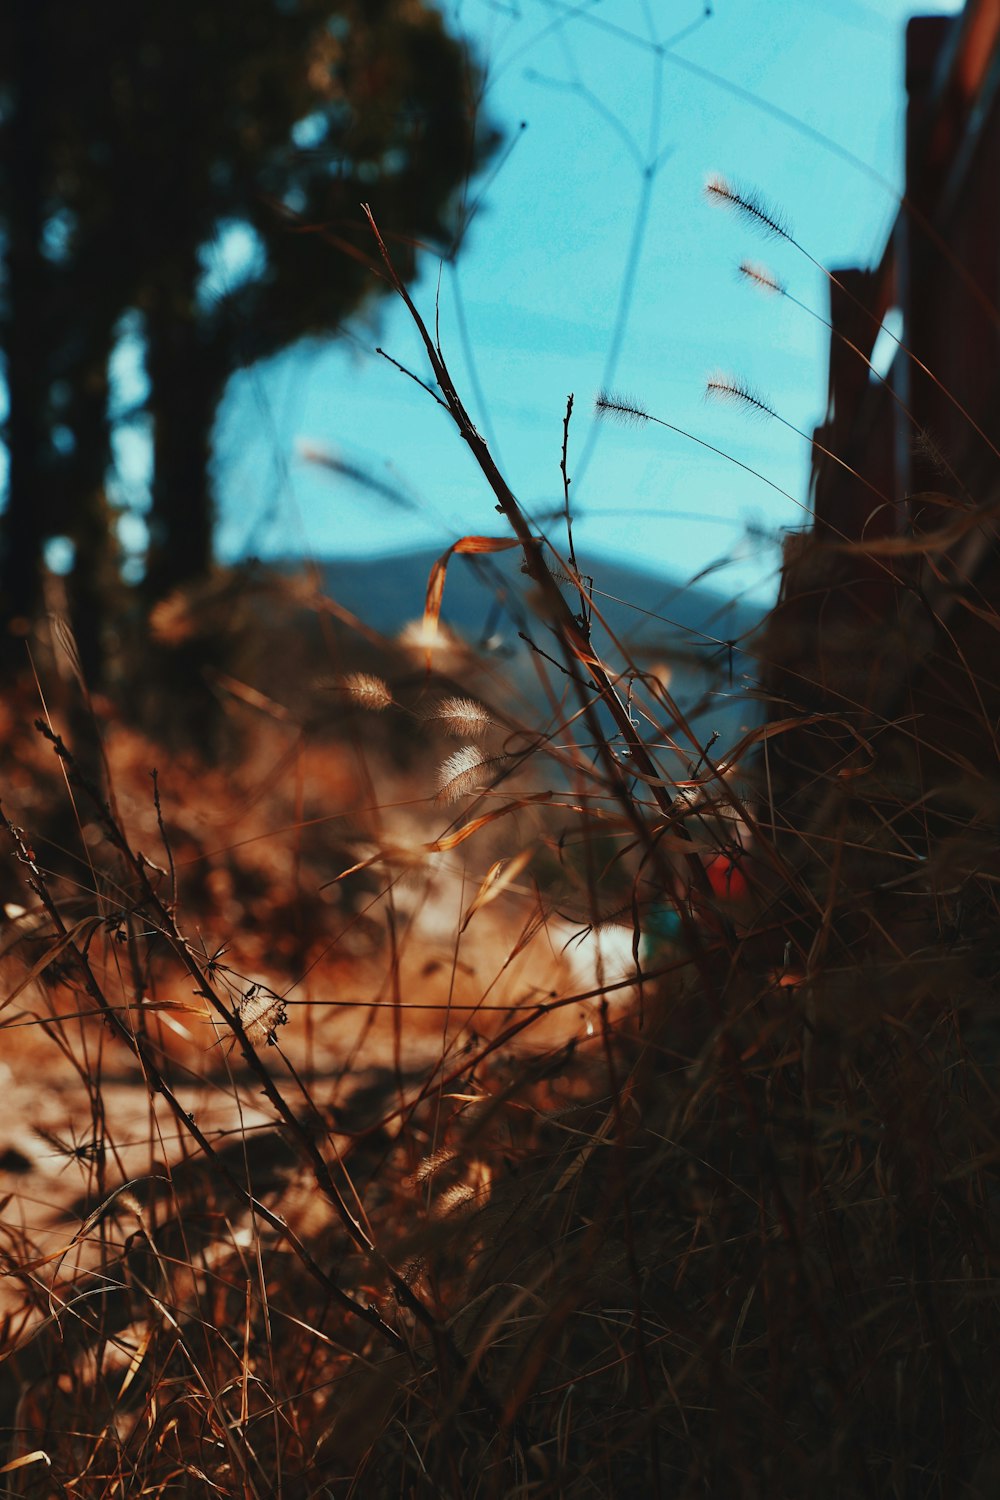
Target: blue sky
{"x": 596, "y": 254}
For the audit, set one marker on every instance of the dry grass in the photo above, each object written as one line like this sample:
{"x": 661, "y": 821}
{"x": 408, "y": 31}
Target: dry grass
{"x": 568, "y": 1114}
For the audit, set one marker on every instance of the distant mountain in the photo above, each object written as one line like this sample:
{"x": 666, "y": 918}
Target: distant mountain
{"x": 661, "y": 623}
{"x": 388, "y": 591}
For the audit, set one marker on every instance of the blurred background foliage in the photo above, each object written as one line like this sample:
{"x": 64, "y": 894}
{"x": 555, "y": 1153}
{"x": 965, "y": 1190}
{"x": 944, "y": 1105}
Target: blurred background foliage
{"x": 141, "y": 146}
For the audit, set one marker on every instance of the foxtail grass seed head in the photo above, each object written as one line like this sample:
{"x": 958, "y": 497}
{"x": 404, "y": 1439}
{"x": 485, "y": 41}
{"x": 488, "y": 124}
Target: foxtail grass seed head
{"x": 463, "y": 718}
{"x": 464, "y": 772}
{"x": 925, "y": 446}
{"x": 458, "y": 1199}
{"x": 749, "y": 204}
{"x": 367, "y": 691}
{"x": 722, "y": 387}
{"x": 62, "y": 634}
{"x": 614, "y": 404}
{"x": 261, "y": 1013}
{"x": 762, "y": 278}
{"x": 432, "y": 640}
{"x": 432, "y": 1164}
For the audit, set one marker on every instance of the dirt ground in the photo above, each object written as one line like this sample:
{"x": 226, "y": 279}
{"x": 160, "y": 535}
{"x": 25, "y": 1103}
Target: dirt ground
{"x": 383, "y": 983}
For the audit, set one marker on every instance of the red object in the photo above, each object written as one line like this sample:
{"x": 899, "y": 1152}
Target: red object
{"x": 726, "y": 878}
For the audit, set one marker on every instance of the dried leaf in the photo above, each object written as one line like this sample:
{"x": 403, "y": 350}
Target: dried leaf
{"x": 467, "y": 545}
{"x": 261, "y": 1013}
{"x": 498, "y": 878}
{"x": 452, "y": 840}
{"x": 38, "y": 1456}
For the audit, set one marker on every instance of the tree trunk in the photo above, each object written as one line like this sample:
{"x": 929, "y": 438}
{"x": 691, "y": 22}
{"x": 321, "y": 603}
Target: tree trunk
{"x": 186, "y": 382}
{"x": 24, "y": 527}
{"x": 95, "y": 581}
{"x": 186, "y": 387}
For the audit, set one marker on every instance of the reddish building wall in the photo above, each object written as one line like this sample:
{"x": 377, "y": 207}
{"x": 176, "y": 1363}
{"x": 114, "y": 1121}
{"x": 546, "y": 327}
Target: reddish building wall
{"x": 868, "y": 629}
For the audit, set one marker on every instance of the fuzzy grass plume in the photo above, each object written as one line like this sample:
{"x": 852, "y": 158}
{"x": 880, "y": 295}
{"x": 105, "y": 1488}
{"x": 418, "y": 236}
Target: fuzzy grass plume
{"x": 463, "y": 718}
{"x": 750, "y": 205}
{"x": 367, "y": 691}
{"x": 465, "y": 771}
{"x": 624, "y": 408}
{"x": 761, "y": 277}
{"x": 723, "y": 387}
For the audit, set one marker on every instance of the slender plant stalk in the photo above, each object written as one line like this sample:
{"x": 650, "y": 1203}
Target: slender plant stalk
{"x": 567, "y": 626}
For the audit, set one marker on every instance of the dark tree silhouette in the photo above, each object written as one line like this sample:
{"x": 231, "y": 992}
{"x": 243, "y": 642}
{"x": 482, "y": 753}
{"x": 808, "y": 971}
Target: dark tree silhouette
{"x": 133, "y": 139}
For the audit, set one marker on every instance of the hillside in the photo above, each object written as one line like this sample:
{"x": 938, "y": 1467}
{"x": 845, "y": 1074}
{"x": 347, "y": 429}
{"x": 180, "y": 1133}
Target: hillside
{"x": 660, "y": 621}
